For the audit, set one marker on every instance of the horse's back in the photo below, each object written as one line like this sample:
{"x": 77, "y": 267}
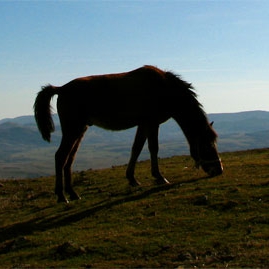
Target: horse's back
{"x": 114, "y": 101}
{"x": 135, "y": 87}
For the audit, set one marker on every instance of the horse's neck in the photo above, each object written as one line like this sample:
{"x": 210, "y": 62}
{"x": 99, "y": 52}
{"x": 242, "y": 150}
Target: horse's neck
{"x": 192, "y": 127}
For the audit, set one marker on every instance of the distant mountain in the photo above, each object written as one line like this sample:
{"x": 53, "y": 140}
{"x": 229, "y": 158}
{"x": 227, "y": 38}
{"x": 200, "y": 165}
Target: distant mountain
{"x": 27, "y": 120}
{"x": 250, "y": 121}
{"x": 24, "y": 153}
{"x": 14, "y": 133}
{"x": 20, "y": 120}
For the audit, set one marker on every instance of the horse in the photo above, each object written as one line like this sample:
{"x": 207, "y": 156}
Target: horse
{"x": 145, "y": 97}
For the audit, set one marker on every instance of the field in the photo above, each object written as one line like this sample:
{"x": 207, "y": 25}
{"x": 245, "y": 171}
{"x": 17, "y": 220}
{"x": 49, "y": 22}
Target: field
{"x": 195, "y": 222}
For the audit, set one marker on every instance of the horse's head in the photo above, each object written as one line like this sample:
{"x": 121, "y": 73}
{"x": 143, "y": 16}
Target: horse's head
{"x": 207, "y": 157}
{"x": 204, "y": 152}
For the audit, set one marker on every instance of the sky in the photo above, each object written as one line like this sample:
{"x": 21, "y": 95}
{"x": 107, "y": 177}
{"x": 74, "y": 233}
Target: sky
{"x": 220, "y": 46}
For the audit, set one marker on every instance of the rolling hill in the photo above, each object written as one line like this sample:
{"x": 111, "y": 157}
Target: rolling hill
{"x": 24, "y": 153}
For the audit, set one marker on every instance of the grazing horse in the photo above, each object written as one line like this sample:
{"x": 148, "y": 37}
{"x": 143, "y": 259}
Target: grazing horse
{"x": 145, "y": 97}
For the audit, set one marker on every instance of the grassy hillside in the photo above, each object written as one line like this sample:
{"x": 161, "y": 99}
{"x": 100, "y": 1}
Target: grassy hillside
{"x": 194, "y": 221}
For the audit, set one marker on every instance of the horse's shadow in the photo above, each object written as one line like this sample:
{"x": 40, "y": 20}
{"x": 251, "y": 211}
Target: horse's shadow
{"x": 64, "y": 218}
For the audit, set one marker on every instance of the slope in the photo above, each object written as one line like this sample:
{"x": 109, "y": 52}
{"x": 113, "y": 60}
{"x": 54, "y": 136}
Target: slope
{"x": 193, "y": 222}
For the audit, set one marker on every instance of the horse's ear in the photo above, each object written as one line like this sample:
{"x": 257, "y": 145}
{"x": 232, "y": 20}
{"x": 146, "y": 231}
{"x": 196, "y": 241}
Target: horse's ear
{"x": 211, "y": 124}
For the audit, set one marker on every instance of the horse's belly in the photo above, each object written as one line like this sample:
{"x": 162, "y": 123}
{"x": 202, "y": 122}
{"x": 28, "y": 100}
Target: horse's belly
{"x": 115, "y": 123}
{"x": 126, "y": 121}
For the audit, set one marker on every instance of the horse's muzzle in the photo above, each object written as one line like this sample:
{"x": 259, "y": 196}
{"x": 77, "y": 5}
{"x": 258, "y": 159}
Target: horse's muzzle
{"x": 215, "y": 171}
{"x": 212, "y": 168}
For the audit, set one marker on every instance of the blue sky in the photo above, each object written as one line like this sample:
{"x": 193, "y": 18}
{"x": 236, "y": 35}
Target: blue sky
{"x": 219, "y": 46}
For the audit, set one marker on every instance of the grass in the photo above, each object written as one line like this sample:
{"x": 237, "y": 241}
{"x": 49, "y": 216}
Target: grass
{"x": 193, "y": 222}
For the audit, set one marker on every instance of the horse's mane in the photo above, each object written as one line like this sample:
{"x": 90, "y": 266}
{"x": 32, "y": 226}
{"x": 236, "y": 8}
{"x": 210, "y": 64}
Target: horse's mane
{"x": 186, "y": 92}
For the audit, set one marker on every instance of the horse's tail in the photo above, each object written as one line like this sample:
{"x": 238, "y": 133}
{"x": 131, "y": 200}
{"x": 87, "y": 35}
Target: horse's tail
{"x": 42, "y": 111}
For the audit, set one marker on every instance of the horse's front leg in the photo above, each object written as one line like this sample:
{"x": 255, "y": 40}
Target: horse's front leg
{"x": 140, "y": 139}
{"x": 153, "y": 146}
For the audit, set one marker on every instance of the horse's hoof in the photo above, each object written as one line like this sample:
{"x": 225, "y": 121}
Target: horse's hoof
{"x": 62, "y": 199}
{"x": 161, "y": 181}
{"x": 134, "y": 182}
{"x": 74, "y": 197}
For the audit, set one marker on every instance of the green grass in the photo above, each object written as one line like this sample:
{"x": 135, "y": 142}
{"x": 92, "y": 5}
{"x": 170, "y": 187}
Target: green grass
{"x": 194, "y": 221}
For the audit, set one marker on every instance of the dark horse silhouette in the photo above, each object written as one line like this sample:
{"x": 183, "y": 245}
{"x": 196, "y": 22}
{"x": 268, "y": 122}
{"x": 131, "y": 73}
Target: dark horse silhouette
{"x": 145, "y": 97}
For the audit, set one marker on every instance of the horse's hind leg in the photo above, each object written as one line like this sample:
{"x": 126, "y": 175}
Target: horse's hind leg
{"x": 153, "y": 146}
{"x": 67, "y": 170}
{"x": 61, "y": 157}
{"x": 139, "y": 142}
{"x": 67, "y": 147}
